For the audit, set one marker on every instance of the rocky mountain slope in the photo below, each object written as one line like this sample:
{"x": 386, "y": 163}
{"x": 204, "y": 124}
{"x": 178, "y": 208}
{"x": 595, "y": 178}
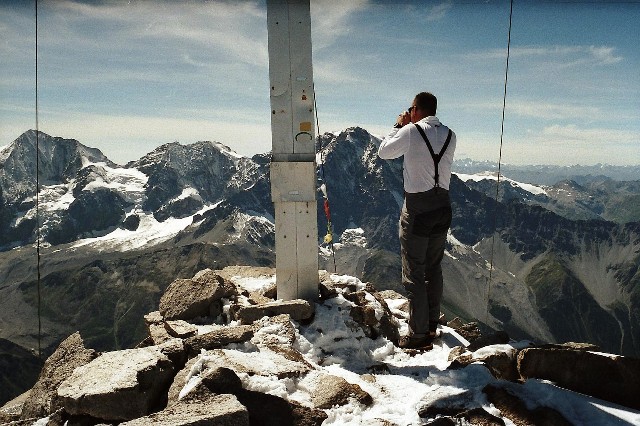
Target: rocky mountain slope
{"x": 114, "y": 237}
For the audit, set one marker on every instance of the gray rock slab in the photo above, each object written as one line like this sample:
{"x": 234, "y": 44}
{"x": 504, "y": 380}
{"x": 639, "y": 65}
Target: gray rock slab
{"x": 218, "y": 410}
{"x": 120, "y": 385}
{"x": 218, "y": 338}
{"x": 11, "y": 410}
{"x": 42, "y": 400}
{"x": 297, "y": 309}
{"x": 263, "y": 363}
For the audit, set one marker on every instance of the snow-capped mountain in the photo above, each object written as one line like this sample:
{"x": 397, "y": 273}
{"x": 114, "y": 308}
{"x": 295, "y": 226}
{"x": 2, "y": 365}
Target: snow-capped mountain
{"x": 83, "y": 194}
{"x": 125, "y": 230}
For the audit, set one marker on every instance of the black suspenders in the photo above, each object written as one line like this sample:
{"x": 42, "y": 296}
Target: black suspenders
{"x": 436, "y": 157}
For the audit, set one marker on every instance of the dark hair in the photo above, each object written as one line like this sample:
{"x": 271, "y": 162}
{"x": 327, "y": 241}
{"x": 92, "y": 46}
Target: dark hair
{"x": 427, "y": 102}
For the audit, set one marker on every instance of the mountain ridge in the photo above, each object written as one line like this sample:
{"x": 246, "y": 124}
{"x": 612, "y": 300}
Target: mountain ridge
{"x": 214, "y": 207}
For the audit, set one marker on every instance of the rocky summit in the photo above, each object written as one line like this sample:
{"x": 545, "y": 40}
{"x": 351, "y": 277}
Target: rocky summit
{"x": 223, "y": 350}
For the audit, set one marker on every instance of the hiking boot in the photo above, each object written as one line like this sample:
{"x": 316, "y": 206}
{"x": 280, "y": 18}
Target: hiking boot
{"x": 434, "y": 334}
{"x": 411, "y": 342}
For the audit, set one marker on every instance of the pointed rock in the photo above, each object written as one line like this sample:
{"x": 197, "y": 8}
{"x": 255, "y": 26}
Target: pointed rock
{"x": 70, "y": 354}
{"x": 117, "y": 386}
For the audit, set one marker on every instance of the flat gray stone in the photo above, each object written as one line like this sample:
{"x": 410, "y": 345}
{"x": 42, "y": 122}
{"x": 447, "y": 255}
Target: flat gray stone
{"x": 180, "y": 329}
{"x": 218, "y": 338}
{"x": 154, "y": 317}
{"x": 298, "y": 310}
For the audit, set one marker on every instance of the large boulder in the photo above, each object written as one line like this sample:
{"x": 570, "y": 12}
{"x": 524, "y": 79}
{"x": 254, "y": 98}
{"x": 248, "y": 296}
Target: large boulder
{"x": 205, "y": 375}
{"x": 609, "y": 377}
{"x": 187, "y": 299}
{"x": 271, "y": 410}
{"x": 117, "y": 386}
{"x": 70, "y": 354}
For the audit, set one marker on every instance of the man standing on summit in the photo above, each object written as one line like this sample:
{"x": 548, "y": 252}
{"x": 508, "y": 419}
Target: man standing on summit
{"x": 427, "y": 146}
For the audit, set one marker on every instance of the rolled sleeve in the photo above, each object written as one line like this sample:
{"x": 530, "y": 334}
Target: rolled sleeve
{"x": 395, "y": 144}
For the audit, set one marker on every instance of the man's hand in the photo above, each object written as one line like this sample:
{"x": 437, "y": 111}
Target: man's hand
{"x": 403, "y": 119}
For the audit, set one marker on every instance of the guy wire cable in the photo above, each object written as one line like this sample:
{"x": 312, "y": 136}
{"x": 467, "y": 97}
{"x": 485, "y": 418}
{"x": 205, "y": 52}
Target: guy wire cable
{"x": 495, "y": 215}
{"x": 324, "y": 181}
{"x": 38, "y": 197}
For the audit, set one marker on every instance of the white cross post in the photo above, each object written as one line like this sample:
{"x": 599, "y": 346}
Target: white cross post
{"x": 293, "y": 165}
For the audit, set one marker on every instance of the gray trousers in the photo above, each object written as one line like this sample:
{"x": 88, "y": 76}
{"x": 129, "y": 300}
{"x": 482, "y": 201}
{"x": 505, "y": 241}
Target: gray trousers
{"x": 424, "y": 222}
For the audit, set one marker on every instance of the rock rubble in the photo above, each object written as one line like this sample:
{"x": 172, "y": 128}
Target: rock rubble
{"x": 210, "y": 338}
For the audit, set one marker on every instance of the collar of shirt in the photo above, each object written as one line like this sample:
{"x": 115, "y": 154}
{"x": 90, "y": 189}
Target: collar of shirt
{"x": 431, "y": 120}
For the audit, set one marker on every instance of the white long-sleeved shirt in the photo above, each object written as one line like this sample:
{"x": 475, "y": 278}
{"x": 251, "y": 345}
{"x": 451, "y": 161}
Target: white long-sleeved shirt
{"x": 418, "y": 167}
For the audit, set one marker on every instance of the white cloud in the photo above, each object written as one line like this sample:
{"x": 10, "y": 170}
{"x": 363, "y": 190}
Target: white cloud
{"x": 439, "y": 11}
{"x": 571, "y": 133}
{"x": 330, "y": 20}
{"x": 570, "y": 56}
{"x": 561, "y": 55}
{"x": 551, "y": 111}
{"x": 155, "y": 33}
{"x": 571, "y": 144}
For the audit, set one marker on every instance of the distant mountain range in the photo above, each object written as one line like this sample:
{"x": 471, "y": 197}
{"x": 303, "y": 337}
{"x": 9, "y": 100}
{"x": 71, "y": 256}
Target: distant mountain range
{"x": 565, "y": 252}
{"x": 550, "y": 174}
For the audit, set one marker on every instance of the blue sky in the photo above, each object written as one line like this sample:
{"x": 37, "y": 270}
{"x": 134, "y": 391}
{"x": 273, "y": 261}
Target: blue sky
{"x": 128, "y": 76}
